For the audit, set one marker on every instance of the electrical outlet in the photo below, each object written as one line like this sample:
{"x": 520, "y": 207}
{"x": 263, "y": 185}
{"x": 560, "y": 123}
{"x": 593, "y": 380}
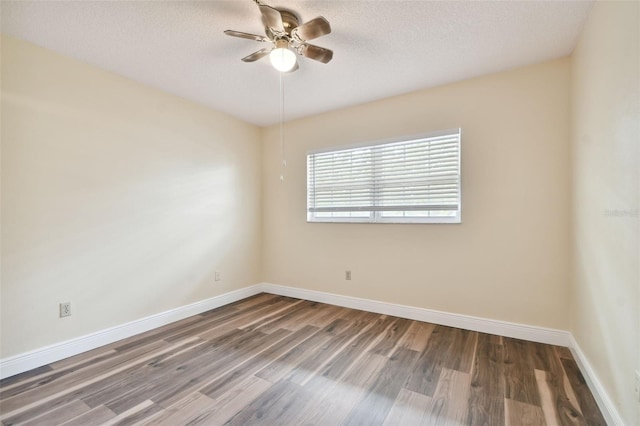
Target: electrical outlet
{"x": 65, "y": 309}
{"x": 347, "y": 275}
{"x": 217, "y": 276}
{"x": 637, "y": 388}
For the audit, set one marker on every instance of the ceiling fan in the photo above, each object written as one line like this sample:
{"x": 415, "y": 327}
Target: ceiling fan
{"x": 286, "y": 38}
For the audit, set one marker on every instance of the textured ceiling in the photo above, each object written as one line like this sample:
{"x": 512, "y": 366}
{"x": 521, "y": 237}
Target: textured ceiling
{"x": 381, "y": 48}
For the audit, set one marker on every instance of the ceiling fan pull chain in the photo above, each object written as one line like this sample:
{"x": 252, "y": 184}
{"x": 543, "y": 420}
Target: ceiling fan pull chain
{"x": 282, "y": 150}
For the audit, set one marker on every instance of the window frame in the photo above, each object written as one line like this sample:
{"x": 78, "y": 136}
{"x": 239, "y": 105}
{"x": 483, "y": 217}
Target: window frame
{"x": 375, "y": 217}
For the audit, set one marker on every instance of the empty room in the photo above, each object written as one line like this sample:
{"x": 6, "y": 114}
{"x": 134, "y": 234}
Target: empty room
{"x": 286, "y": 212}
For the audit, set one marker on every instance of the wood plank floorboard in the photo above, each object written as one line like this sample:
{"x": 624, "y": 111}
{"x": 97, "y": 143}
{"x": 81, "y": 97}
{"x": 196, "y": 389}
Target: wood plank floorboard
{"x": 397, "y": 328}
{"x": 256, "y": 363}
{"x": 20, "y": 378}
{"x": 520, "y": 380}
{"x": 520, "y": 414}
{"x": 94, "y": 417}
{"x": 274, "y": 360}
{"x": 380, "y": 396}
{"x": 409, "y": 408}
{"x": 336, "y": 399}
{"x": 437, "y": 353}
{"x": 486, "y": 399}
{"x": 587, "y": 403}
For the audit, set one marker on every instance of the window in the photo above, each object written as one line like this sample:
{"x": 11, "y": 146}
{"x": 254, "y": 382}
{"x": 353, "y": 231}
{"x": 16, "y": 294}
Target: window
{"x": 414, "y": 180}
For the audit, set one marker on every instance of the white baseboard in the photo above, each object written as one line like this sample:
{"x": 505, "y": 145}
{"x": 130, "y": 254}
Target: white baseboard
{"x": 605, "y": 404}
{"x": 467, "y": 322}
{"x": 48, "y": 354}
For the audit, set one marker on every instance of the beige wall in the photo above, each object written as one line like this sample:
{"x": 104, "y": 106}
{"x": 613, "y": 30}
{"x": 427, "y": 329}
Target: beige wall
{"x": 508, "y": 260}
{"x": 605, "y": 317}
{"x": 117, "y": 197}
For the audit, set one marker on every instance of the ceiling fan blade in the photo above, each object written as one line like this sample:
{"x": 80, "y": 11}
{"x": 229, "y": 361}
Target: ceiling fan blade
{"x": 245, "y": 35}
{"x": 313, "y": 29}
{"x": 271, "y": 18}
{"x": 257, "y": 55}
{"x": 316, "y": 53}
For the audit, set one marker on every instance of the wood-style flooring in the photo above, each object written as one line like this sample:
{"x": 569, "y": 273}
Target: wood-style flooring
{"x": 276, "y": 360}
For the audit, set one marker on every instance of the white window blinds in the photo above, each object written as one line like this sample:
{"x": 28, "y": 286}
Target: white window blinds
{"x": 415, "y": 180}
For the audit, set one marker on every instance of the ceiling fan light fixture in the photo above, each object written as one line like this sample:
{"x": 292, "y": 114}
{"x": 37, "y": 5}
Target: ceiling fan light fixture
{"x": 282, "y": 58}
{"x": 286, "y": 39}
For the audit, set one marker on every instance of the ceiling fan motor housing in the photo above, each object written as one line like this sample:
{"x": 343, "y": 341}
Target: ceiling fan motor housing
{"x": 289, "y": 21}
